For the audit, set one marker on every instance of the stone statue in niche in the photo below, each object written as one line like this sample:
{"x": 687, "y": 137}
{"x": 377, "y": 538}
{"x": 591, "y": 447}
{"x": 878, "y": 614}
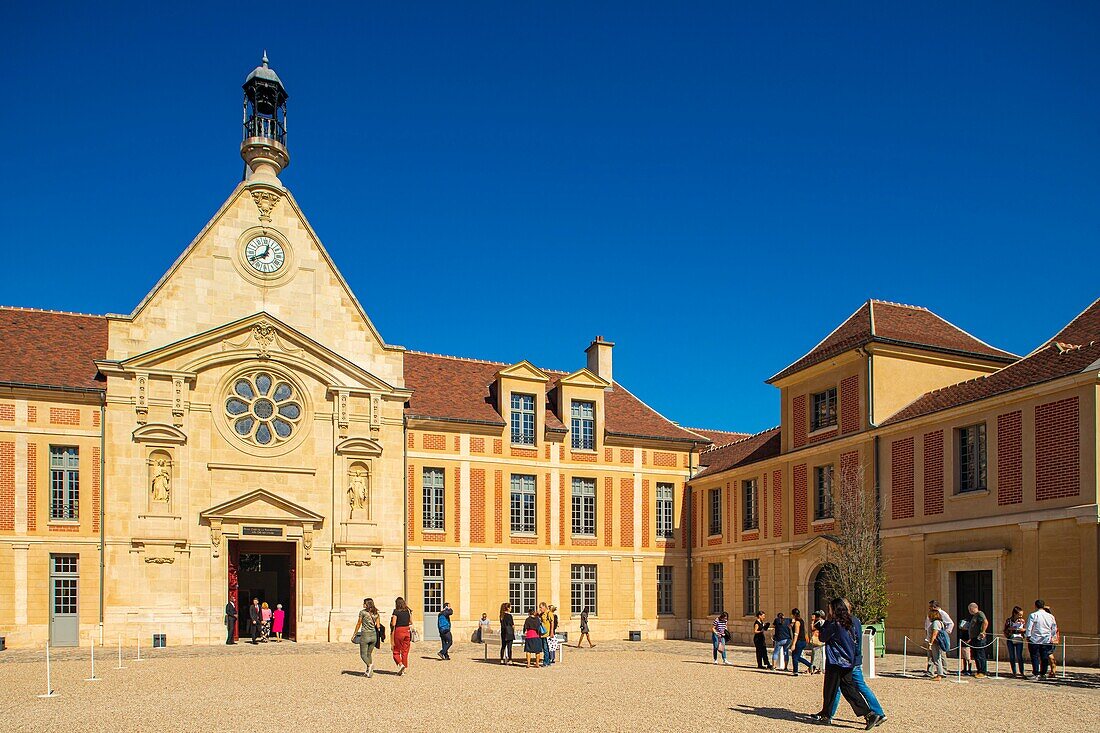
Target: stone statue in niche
{"x": 358, "y": 489}
{"x": 161, "y": 488}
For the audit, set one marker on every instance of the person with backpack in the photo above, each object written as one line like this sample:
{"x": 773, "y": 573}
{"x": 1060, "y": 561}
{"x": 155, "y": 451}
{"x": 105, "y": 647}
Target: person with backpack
{"x": 938, "y": 644}
{"x": 446, "y": 639}
{"x": 842, "y": 634}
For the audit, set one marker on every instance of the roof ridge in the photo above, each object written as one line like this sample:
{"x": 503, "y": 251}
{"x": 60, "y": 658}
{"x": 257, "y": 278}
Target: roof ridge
{"x": 901, "y": 305}
{"x": 742, "y": 440}
{"x": 50, "y": 310}
{"x": 1073, "y": 320}
{"x": 816, "y": 346}
{"x": 649, "y": 407}
{"x": 963, "y": 330}
{"x": 475, "y": 360}
{"x": 716, "y": 430}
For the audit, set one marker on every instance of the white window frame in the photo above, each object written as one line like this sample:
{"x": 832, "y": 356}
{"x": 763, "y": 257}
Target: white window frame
{"x": 433, "y": 586}
{"x": 823, "y": 409}
{"x": 666, "y": 493}
{"x": 823, "y": 492}
{"x": 523, "y": 504}
{"x": 665, "y": 606}
{"x": 523, "y": 419}
{"x": 750, "y": 502}
{"x": 973, "y": 464}
{"x": 751, "y": 598}
{"x": 584, "y": 507}
{"x": 435, "y": 493}
{"x": 716, "y": 575}
{"x": 583, "y": 424}
{"x": 64, "y": 483}
{"x": 583, "y": 588}
{"x": 714, "y": 500}
{"x": 523, "y": 586}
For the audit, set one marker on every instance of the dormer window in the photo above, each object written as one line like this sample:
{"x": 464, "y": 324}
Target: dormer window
{"x": 824, "y": 410}
{"x": 523, "y": 419}
{"x": 583, "y": 415}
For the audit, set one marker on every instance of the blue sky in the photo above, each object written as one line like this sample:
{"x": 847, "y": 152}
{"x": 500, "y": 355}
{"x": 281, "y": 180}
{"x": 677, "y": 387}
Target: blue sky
{"x": 713, "y": 186}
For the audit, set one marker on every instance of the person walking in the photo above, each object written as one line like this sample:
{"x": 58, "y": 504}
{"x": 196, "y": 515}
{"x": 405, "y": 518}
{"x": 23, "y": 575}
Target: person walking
{"x": 255, "y": 618}
{"x": 948, "y": 624}
{"x": 841, "y": 633}
{"x": 230, "y": 620}
{"x": 977, "y": 625}
{"x": 800, "y": 638}
{"x": 507, "y": 633}
{"x": 265, "y": 617}
{"x": 818, "y": 646}
{"x": 759, "y": 626}
{"x": 781, "y": 640}
{"x": 719, "y": 635}
{"x": 1014, "y": 639}
{"x": 278, "y": 618}
{"x": 1040, "y": 630}
{"x": 446, "y": 639}
{"x": 401, "y": 633}
{"x": 532, "y": 639}
{"x": 861, "y": 683}
{"x": 366, "y": 629}
{"x": 938, "y": 643}
{"x": 584, "y": 629}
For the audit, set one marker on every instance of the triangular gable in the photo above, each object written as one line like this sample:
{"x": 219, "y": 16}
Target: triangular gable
{"x": 524, "y": 370}
{"x": 584, "y": 378}
{"x": 261, "y": 505}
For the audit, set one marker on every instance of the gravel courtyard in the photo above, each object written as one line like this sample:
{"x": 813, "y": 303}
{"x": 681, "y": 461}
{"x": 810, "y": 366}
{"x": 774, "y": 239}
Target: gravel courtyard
{"x": 651, "y": 686}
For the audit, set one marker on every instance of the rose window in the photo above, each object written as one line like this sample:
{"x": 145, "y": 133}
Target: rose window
{"x": 263, "y": 409}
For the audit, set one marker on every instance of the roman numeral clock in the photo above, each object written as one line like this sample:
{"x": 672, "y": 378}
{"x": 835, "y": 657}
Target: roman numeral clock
{"x": 264, "y": 255}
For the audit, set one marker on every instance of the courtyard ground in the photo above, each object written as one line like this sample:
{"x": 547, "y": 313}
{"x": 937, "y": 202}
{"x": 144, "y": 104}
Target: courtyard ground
{"x": 618, "y": 686}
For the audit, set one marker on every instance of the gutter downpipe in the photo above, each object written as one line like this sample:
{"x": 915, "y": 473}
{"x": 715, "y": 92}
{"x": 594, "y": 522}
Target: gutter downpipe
{"x": 875, "y": 442}
{"x": 405, "y": 506}
{"x": 687, "y": 528}
{"x": 102, "y": 506}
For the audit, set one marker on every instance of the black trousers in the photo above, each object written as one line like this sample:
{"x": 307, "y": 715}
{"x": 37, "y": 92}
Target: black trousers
{"x": 842, "y": 677}
{"x": 255, "y": 631}
{"x": 506, "y": 649}
{"x": 761, "y": 651}
{"x": 229, "y": 631}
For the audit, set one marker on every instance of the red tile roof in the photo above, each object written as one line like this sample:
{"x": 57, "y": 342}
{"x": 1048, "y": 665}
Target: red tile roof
{"x": 453, "y": 388}
{"x": 742, "y": 452}
{"x": 719, "y": 437}
{"x": 893, "y": 323}
{"x": 1075, "y": 349}
{"x": 50, "y": 348}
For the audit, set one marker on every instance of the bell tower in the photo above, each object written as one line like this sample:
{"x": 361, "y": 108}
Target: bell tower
{"x": 264, "y": 108}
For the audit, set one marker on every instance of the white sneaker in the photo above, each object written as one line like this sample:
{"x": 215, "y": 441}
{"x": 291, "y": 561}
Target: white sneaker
{"x": 400, "y": 669}
{"x": 728, "y": 663}
{"x": 716, "y": 661}
{"x": 370, "y": 671}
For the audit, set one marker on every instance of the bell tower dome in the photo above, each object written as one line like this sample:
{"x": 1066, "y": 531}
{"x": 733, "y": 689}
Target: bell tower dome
{"x": 264, "y": 144}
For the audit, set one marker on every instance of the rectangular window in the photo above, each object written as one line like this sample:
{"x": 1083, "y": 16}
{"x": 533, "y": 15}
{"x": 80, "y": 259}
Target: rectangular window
{"x": 584, "y": 424}
{"x": 972, "y": 458}
{"x": 715, "y": 503}
{"x": 64, "y": 579}
{"x": 717, "y": 592}
{"x": 664, "y": 590}
{"x": 582, "y": 589}
{"x": 584, "y": 506}
{"x": 751, "y": 508}
{"x": 752, "y": 587}
{"x": 823, "y": 492}
{"x": 523, "y": 419}
{"x": 64, "y": 482}
{"x": 664, "y": 510}
{"x": 522, "y": 586}
{"x": 433, "y": 586}
{"x": 433, "y": 498}
{"x": 523, "y": 504}
{"x": 823, "y": 413}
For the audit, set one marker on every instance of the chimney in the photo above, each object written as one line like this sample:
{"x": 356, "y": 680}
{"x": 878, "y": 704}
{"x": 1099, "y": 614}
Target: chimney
{"x": 599, "y": 358}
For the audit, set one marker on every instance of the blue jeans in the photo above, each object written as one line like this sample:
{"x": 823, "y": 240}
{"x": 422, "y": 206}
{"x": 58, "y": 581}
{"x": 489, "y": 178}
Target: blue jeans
{"x": 779, "y": 654}
{"x": 719, "y": 645}
{"x": 545, "y": 652}
{"x": 446, "y": 639}
{"x": 1040, "y": 657}
{"x": 861, "y": 685}
{"x": 797, "y": 657}
{"x": 1016, "y": 655}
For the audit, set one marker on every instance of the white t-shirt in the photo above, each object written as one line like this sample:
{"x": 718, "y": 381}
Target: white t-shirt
{"x": 1041, "y": 627}
{"x": 948, "y": 624}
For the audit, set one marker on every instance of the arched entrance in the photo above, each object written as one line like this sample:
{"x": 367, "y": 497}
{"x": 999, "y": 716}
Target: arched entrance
{"x": 819, "y": 595}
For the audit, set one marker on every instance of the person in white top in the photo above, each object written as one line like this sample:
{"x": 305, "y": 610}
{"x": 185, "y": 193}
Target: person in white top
{"x": 948, "y": 624}
{"x": 1040, "y": 631}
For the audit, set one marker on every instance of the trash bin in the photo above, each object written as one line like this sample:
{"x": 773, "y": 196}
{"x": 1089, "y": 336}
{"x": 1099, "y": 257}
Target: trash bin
{"x": 635, "y": 635}
{"x": 160, "y": 641}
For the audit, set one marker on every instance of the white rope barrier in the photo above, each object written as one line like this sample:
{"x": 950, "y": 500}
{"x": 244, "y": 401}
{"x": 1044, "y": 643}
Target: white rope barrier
{"x": 49, "y": 682}
{"x": 120, "y": 666}
{"x": 93, "y": 678}
{"x": 139, "y": 659}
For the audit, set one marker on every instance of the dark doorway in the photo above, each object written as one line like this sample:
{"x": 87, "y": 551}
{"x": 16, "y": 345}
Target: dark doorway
{"x": 266, "y": 571}
{"x": 974, "y": 586}
{"x": 820, "y": 597}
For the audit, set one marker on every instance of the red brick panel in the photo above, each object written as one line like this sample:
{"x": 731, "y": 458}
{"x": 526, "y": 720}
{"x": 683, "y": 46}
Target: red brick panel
{"x": 1057, "y": 450}
{"x": 7, "y": 411}
{"x": 645, "y": 510}
{"x": 626, "y": 455}
{"x": 457, "y": 491}
{"x": 849, "y": 470}
{"x": 32, "y": 413}
{"x": 799, "y": 491}
{"x": 933, "y": 473}
{"x": 498, "y": 480}
{"x": 728, "y": 526}
{"x": 901, "y": 479}
{"x": 762, "y": 487}
{"x": 664, "y": 459}
{"x": 458, "y": 444}
{"x": 608, "y": 455}
{"x": 411, "y": 508}
{"x": 434, "y": 441}
{"x": 523, "y": 453}
{"x": 95, "y": 489}
{"x": 412, "y": 440}
{"x": 1010, "y": 449}
{"x": 95, "y": 418}
{"x": 798, "y": 417}
{"x": 562, "y": 514}
{"x": 477, "y": 505}
{"x": 7, "y": 487}
{"x": 824, "y": 527}
{"x": 32, "y": 487}
{"x": 498, "y": 447}
{"x": 690, "y": 499}
{"x": 546, "y": 489}
{"x": 546, "y": 451}
{"x": 477, "y": 445}
{"x": 64, "y": 416}
{"x": 582, "y": 457}
{"x": 608, "y": 488}
{"x": 849, "y": 404}
{"x": 777, "y": 503}
{"x": 626, "y": 512}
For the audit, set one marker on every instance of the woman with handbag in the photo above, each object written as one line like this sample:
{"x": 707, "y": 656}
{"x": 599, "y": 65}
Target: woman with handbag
{"x": 719, "y": 635}
{"x": 401, "y": 632}
{"x": 366, "y": 633}
{"x": 532, "y": 640}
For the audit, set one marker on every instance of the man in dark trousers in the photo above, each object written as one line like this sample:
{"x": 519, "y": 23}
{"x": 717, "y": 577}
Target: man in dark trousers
{"x": 445, "y": 637}
{"x": 230, "y": 620}
{"x": 255, "y": 618}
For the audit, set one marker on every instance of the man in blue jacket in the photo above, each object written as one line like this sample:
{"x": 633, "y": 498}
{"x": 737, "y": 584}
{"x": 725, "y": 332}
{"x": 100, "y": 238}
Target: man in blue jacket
{"x": 445, "y": 638}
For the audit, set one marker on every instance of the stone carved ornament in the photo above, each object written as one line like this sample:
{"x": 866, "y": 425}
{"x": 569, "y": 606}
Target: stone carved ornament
{"x": 161, "y": 485}
{"x": 358, "y": 489}
{"x": 161, "y": 560}
{"x": 265, "y": 202}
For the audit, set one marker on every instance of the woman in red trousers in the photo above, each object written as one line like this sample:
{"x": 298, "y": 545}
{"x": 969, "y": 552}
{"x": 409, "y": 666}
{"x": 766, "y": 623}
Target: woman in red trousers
{"x": 401, "y": 631}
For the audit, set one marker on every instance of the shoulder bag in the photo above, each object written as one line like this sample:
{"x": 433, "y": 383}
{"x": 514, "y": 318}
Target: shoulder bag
{"x": 414, "y": 634}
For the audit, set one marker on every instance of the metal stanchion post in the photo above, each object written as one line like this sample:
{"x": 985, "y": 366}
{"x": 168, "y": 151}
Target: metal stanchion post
{"x": 139, "y": 659}
{"x": 996, "y": 658}
{"x": 120, "y": 653}
{"x": 93, "y": 678}
{"x": 49, "y": 683}
{"x": 904, "y": 656}
{"x": 1064, "y": 639}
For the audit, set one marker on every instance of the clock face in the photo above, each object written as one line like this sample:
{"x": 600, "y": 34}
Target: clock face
{"x": 264, "y": 254}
